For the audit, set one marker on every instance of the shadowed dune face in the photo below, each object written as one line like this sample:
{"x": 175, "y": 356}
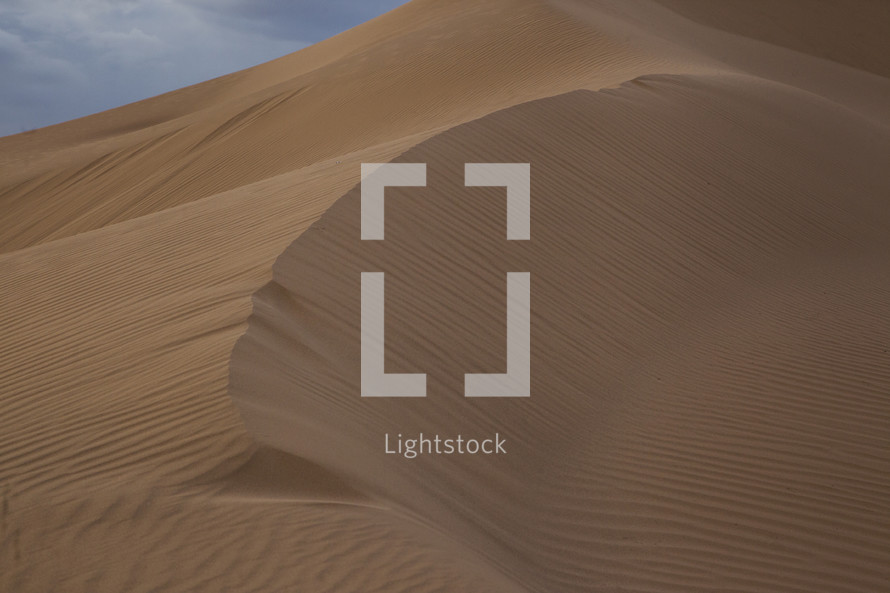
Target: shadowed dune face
{"x": 700, "y": 301}
{"x": 814, "y": 28}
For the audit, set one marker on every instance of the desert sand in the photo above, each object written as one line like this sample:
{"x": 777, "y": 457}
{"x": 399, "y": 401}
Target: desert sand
{"x": 180, "y": 402}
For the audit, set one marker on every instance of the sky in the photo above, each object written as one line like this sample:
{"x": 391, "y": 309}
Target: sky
{"x": 61, "y": 59}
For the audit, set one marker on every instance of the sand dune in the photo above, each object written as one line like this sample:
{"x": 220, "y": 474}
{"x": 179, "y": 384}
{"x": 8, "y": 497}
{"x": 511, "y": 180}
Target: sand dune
{"x": 710, "y": 367}
{"x": 705, "y": 335}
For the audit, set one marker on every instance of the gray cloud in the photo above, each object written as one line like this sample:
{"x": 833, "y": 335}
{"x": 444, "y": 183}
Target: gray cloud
{"x": 61, "y": 59}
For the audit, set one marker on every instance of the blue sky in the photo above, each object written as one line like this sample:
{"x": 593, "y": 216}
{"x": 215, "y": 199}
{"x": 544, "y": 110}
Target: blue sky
{"x": 61, "y": 59}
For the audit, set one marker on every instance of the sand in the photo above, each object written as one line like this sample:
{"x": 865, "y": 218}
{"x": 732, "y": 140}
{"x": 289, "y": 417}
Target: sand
{"x": 710, "y": 403}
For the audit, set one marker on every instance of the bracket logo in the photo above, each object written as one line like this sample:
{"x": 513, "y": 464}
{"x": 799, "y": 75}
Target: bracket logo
{"x": 516, "y": 382}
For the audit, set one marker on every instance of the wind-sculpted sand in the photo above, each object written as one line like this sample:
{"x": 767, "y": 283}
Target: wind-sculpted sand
{"x": 180, "y": 400}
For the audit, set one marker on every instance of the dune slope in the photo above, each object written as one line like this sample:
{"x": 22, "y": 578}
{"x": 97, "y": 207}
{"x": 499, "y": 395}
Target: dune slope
{"x": 362, "y": 88}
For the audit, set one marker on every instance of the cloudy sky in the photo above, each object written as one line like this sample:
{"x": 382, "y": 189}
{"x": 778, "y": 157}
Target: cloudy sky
{"x": 61, "y": 59}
